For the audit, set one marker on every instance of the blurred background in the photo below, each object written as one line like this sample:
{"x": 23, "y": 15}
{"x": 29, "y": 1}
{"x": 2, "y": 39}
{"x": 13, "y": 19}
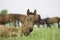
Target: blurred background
{"x": 46, "y": 8}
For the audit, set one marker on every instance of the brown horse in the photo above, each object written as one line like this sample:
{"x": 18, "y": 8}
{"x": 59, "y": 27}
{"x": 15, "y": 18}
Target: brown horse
{"x": 11, "y": 18}
{"x": 5, "y": 18}
{"x": 27, "y": 26}
{"x": 20, "y": 18}
{"x": 37, "y": 18}
{"x": 52, "y": 21}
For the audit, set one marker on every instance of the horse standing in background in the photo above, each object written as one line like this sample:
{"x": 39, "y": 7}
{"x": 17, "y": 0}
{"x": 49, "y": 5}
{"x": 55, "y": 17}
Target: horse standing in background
{"x": 12, "y": 18}
{"x": 8, "y": 18}
{"x": 50, "y": 21}
{"x": 37, "y": 20}
{"x": 20, "y": 18}
{"x": 5, "y": 19}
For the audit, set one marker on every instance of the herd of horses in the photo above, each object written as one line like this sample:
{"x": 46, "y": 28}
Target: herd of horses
{"x": 28, "y": 21}
{"x": 21, "y": 18}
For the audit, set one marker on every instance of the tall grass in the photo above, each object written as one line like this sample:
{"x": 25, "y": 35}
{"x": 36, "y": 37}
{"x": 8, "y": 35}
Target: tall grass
{"x": 41, "y": 34}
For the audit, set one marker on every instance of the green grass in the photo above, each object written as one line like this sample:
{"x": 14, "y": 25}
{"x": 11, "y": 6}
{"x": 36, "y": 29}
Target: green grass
{"x": 41, "y": 34}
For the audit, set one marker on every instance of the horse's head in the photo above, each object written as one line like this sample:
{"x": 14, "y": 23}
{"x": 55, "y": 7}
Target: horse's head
{"x": 31, "y": 18}
{"x": 37, "y": 16}
{"x": 29, "y": 22}
{"x": 30, "y": 13}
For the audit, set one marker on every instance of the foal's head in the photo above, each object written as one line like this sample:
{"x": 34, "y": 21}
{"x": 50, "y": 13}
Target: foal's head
{"x": 29, "y": 22}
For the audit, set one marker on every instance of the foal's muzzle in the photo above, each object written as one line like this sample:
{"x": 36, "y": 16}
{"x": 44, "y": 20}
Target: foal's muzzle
{"x": 30, "y": 29}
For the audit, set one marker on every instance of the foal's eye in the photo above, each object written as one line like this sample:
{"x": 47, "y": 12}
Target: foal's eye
{"x": 31, "y": 19}
{"x": 27, "y": 19}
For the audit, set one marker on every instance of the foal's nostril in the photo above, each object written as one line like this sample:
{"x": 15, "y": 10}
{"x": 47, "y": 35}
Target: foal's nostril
{"x": 30, "y": 29}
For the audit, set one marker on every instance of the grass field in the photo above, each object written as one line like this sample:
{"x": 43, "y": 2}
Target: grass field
{"x": 41, "y": 34}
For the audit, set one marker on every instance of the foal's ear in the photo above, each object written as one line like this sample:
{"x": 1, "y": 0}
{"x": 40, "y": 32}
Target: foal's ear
{"x": 35, "y": 11}
{"x": 28, "y": 11}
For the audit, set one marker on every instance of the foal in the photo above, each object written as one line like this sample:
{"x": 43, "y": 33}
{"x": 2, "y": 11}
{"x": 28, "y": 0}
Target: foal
{"x": 27, "y": 26}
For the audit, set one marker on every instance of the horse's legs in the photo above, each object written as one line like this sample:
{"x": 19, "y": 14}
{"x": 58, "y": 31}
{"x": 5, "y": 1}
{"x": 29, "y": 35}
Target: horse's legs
{"x": 58, "y": 25}
{"x": 48, "y": 25}
{"x": 14, "y": 23}
{"x": 38, "y": 25}
{"x": 43, "y": 25}
{"x": 18, "y": 23}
